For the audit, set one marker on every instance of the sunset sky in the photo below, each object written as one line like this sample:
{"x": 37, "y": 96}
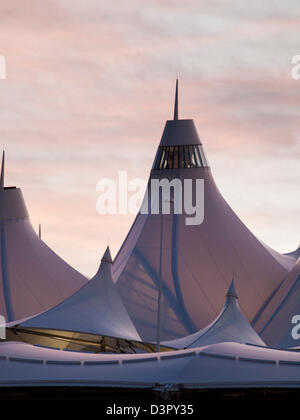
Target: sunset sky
{"x": 89, "y": 86}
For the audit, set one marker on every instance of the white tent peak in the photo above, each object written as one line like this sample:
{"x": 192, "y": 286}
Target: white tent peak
{"x": 2, "y": 170}
{"x": 231, "y": 292}
{"x": 32, "y": 277}
{"x": 103, "y": 274}
{"x": 191, "y": 254}
{"x": 107, "y": 256}
{"x": 96, "y": 308}
{"x": 230, "y": 326}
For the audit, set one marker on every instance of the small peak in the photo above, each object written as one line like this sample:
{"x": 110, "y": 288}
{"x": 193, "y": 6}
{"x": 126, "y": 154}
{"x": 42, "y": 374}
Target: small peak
{"x": 176, "y": 102}
{"x": 107, "y": 256}
{"x": 231, "y": 292}
{"x": 2, "y": 170}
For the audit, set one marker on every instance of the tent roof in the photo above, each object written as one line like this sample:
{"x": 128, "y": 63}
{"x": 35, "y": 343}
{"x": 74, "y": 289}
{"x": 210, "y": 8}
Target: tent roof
{"x": 96, "y": 308}
{"x": 230, "y": 326}
{"x": 32, "y": 277}
{"x": 191, "y": 254}
{"x": 217, "y": 365}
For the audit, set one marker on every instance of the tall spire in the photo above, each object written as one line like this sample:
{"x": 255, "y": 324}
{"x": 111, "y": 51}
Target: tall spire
{"x": 176, "y": 102}
{"x": 2, "y": 170}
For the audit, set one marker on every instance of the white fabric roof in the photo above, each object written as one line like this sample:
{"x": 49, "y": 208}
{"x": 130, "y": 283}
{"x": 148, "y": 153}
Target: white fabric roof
{"x": 218, "y": 365}
{"x": 230, "y": 326}
{"x": 197, "y": 259}
{"x": 96, "y": 308}
{"x": 32, "y": 277}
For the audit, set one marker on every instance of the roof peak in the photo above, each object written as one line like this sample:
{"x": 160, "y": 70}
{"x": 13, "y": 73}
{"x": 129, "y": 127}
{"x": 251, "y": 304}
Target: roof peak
{"x": 107, "y": 256}
{"x": 231, "y": 325}
{"x": 231, "y": 292}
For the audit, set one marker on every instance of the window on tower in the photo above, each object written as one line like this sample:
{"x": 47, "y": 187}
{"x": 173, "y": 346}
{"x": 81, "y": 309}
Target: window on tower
{"x": 177, "y": 157}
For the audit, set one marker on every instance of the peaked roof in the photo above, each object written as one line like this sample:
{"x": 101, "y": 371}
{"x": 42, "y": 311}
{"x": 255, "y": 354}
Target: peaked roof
{"x": 32, "y": 277}
{"x": 197, "y": 259}
{"x": 96, "y": 308}
{"x": 230, "y": 326}
{"x": 231, "y": 292}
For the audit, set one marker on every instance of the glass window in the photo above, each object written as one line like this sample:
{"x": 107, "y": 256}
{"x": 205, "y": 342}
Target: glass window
{"x": 158, "y": 158}
{"x": 197, "y": 151}
{"x": 165, "y": 161}
{"x": 203, "y": 157}
{"x": 187, "y": 163}
{"x": 162, "y": 159}
{"x": 192, "y": 157}
{"x": 170, "y": 158}
{"x": 175, "y": 166}
{"x": 181, "y": 157}
{"x": 174, "y": 157}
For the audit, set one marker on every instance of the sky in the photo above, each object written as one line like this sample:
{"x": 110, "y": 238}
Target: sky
{"x": 89, "y": 86}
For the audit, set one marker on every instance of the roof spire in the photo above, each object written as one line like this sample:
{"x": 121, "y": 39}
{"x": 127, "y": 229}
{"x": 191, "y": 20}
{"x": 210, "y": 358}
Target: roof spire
{"x": 176, "y": 102}
{"x": 107, "y": 256}
{"x": 2, "y": 170}
{"x": 231, "y": 291}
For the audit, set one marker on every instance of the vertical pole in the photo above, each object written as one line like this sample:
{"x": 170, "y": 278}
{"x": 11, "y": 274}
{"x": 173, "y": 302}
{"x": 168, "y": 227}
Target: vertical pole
{"x": 159, "y": 285}
{"x": 2, "y": 170}
{"x": 176, "y": 102}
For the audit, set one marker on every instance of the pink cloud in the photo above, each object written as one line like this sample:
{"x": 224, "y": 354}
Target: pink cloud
{"x": 90, "y": 84}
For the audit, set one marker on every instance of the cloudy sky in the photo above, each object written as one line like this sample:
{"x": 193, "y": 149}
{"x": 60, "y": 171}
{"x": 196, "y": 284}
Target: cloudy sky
{"x": 88, "y": 88}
